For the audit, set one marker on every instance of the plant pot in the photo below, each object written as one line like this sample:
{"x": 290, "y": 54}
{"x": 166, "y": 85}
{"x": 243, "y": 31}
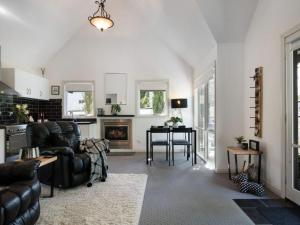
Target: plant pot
{"x": 175, "y": 125}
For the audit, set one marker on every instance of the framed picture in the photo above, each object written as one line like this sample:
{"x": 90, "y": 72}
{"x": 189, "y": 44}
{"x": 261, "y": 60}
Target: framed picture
{"x": 54, "y": 90}
{"x": 254, "y": 145}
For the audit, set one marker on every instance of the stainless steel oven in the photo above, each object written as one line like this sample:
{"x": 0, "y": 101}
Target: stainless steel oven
{"x": 15, "y": 139}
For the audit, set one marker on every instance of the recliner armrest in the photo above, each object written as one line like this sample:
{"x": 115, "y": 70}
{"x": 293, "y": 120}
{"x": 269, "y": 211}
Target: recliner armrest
{"x": 18, "y": 171}
{"x": 65, "y": 151}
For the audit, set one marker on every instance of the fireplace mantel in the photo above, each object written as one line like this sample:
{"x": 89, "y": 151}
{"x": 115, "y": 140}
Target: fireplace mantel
{"x": 116, "y": 116}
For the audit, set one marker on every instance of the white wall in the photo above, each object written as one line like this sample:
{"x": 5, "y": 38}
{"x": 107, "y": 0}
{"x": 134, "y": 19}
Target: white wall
{"x": 142, "y": 58}
{"x": 263, "y": 48}
{"x": 229, "y": 99}
{"x": 205, "y": 66}
{"x": 229, "y": 96}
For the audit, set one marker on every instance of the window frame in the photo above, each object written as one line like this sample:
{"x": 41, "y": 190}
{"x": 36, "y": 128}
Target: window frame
{"x": 64, "y": 116}
{"x": 138, "y": 88}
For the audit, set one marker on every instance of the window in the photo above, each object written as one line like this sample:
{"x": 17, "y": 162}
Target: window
{"x": 152, "y": 98}
{"x": 78, "y": 99}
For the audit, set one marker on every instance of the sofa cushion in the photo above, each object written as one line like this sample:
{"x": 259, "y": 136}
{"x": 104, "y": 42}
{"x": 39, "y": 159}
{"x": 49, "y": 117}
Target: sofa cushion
{"x": 66, "y": 126}
{"x": 71, "y": 132}
{"x": 11, "y": 204}
{"x": 38, "y": 135}
{"x": 19, "y": 204}
{"x": 59, "y": 140}
{"x": 72, "y": 140}
{"x": 53, "y": 127}
{"x": 24, "y": 193}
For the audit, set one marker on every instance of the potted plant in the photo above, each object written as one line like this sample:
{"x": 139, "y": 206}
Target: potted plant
{"x": 22, "y": 112}
{"x": 115, "y": 109}
{"x": 240, "y": 141}
{"x": 175, "y": 120}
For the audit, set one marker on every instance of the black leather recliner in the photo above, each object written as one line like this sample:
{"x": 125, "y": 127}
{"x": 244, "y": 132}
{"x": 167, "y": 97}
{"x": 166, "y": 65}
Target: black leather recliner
{"x": 61, "y": 139}
{"x": 19, "y": 193}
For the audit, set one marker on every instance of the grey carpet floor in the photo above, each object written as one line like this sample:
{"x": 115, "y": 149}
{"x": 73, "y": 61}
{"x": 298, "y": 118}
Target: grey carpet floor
{"x": 184, "y": 195}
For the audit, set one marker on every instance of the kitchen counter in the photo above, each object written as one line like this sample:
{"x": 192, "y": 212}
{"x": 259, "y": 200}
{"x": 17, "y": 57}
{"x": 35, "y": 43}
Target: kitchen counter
{"x": 83, "y": 121}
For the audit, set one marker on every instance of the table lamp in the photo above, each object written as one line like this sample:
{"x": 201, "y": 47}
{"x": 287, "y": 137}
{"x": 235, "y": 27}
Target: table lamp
{"x": 179, "y": 103}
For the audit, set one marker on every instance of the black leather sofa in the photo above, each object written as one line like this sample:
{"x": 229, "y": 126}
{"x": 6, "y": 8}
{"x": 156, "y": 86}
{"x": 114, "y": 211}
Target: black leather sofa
{"x": 19, "y": 193}
{"x": 61, "y": 139}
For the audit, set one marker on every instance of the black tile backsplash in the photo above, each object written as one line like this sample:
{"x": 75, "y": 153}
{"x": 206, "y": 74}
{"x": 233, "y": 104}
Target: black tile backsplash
{"x": 52, "y": 109}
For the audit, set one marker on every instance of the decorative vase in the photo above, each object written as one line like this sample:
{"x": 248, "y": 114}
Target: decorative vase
{"x": 175, "y": 125}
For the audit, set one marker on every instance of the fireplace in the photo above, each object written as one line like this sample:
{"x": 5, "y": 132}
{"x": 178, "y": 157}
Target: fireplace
{"x": 118, "y": 131}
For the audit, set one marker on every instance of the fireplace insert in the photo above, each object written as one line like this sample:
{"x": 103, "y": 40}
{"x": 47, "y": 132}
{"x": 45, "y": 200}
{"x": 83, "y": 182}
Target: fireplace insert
{"x": 116, "y": 133}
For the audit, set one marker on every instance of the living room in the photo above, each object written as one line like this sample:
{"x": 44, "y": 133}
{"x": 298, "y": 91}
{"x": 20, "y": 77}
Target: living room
{"x": 156, "y": 99}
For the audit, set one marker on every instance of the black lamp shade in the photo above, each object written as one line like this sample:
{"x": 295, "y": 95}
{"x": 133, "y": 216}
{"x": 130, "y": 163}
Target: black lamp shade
{"x": 179, "y": 103}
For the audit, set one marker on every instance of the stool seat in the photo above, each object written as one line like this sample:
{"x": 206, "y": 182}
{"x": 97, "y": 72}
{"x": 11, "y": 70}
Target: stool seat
{"x": 181, "y": 142}
{"x": 162, "y": 139}
{"x": 160, "y": 142}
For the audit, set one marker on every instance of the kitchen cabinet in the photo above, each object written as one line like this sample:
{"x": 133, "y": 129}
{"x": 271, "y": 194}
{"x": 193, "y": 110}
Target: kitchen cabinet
{"x": 26, "y": 84}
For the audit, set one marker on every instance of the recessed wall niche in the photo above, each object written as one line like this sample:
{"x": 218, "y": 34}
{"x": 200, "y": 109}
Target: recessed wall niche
{"x": 115, "y": 88}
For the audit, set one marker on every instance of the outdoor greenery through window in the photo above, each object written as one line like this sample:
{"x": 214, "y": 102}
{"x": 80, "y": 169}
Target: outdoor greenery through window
{"x": 152, "y": 98}
{"x": 78, "y": 99}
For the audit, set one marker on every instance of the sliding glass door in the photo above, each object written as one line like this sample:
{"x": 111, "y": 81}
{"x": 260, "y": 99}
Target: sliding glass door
{"x": 201, "y": 122}
{"x": 211, "y": 121}
{"x": 293, "y": 121}
{"x": 206, "y": 120}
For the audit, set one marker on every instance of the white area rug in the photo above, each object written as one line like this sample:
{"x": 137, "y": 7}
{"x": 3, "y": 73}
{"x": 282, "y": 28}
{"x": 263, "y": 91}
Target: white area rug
{"x": 118, "y": 201}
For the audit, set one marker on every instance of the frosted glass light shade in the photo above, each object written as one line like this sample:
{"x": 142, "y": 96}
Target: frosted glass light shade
{"x": 101, "y": 23}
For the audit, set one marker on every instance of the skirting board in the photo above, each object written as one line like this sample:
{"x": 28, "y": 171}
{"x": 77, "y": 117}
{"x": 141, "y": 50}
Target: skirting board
{"x": 122, "y": 150}
{"x": 155, "y": 150}
{"x": 221, "y": 170}
{"x": 141, "y": 150}
{"x": 273, "y": 189}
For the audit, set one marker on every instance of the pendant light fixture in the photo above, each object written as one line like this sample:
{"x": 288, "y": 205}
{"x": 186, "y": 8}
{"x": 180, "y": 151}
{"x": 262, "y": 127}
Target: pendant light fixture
{"x": 101, "y": 19}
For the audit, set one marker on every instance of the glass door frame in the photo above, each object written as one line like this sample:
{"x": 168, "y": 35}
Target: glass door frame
{"x": 291, "y": 43}
{"x": 202, "y": 127}
{"x": 203, "y": 87}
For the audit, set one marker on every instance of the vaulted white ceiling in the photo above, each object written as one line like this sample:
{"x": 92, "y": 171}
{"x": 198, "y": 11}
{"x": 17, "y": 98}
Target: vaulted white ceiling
{"x": 33, "y": 31}
{"x": 228, "y": 20}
